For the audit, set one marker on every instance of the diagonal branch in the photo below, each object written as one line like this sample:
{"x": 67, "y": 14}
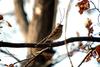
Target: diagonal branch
{"x": 54, "y": 44}
{"x": 9, "y": 55}
{"x": 85, "y": 58}
{"x": 39, "y": 53}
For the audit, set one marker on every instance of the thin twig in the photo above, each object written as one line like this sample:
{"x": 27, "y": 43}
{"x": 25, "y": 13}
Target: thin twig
{"x": 68, "y": 9}
{"x": 22, "y": 60}
{"x": 98, "y": 19}
{"x": 95, "y": 7}
{"x": 55, "y": 61}
{"x": 9, "y": 13}
{"x": 39, "y": 53}
{"x": 85, "y": 58}
{"x": 97, "y": 10}
{"x": 9, "y": 55}
{"x": 62, "y": 16}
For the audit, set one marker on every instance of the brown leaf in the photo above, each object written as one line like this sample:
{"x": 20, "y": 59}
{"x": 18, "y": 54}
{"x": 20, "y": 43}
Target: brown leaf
{"x": 88, "y": 58}
{"x": 6, "y": 65}
{"x": 78, "y": 34}
{"x": 97, "y": 49}
{"x": 88, "y": 26}
{"x": 98, "y": 59}
{"x": 1, "y": 17}
{"x": 90, "y": 31}
{"x": 89, "y": 23}
{"x": 11, "y": 65}
{"x": 83, "y": 5}
{"x": 81, "y": 46}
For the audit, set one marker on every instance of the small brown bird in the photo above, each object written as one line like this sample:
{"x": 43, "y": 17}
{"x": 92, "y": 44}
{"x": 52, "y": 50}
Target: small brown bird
{"x": 55, "y": 34}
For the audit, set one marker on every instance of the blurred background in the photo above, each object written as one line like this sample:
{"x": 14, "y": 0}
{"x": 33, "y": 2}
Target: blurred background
{"x": 32, "y": 20}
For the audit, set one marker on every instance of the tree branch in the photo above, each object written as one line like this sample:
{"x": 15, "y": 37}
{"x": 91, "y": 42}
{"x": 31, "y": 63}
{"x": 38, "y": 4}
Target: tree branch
{"x": 54, "y": 44}
{"x": 9, "y": 55}
{"x": 85, "y": 58}
{"x": 21, "y": 16}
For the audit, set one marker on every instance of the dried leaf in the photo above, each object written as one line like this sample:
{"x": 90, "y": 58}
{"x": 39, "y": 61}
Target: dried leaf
{"x": 88, "y": 26}
{"x": 1, "y": 17}
{"x": 6, "y": 65}
{"x": 83, "y": 5}
{"x": 98, "y": 59}
{"x": 78, "y": 34}
{"x": 97, "y": 49}
{"x": 90, "y": 31}
{"x": 81, "y": 46}
{"x": 89, "y": 23}
{"x": 88, "y": 58}
{"x": 11, "y": 65}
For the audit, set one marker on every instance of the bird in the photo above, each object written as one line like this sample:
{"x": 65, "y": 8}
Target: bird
{"x": 55, "y": 34}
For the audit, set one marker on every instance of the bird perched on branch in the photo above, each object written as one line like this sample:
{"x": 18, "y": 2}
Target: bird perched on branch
{"x": 55, "y": 34}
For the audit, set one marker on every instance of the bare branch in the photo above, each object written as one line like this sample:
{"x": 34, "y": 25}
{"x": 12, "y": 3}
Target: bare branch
{"x": 21, "y": 15}
{"x": 95, "y": 8}
{"x": 54, "y": 44}
{"x": 9, "y": 13}
{"x": 39, "y": 53}
{"x": 9, "y": 55}
{"x": 85, "y": 58}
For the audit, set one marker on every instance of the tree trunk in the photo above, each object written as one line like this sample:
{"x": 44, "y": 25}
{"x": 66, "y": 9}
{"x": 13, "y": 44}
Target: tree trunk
{"x": 40, "y": 27}
{"x": 21, "y": 16}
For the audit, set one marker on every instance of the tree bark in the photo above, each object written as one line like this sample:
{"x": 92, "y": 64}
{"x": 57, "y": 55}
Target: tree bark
{"x": 40, "y": 27}
{"x": 42, "y": 22}
{"x": 21, "y": 16}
